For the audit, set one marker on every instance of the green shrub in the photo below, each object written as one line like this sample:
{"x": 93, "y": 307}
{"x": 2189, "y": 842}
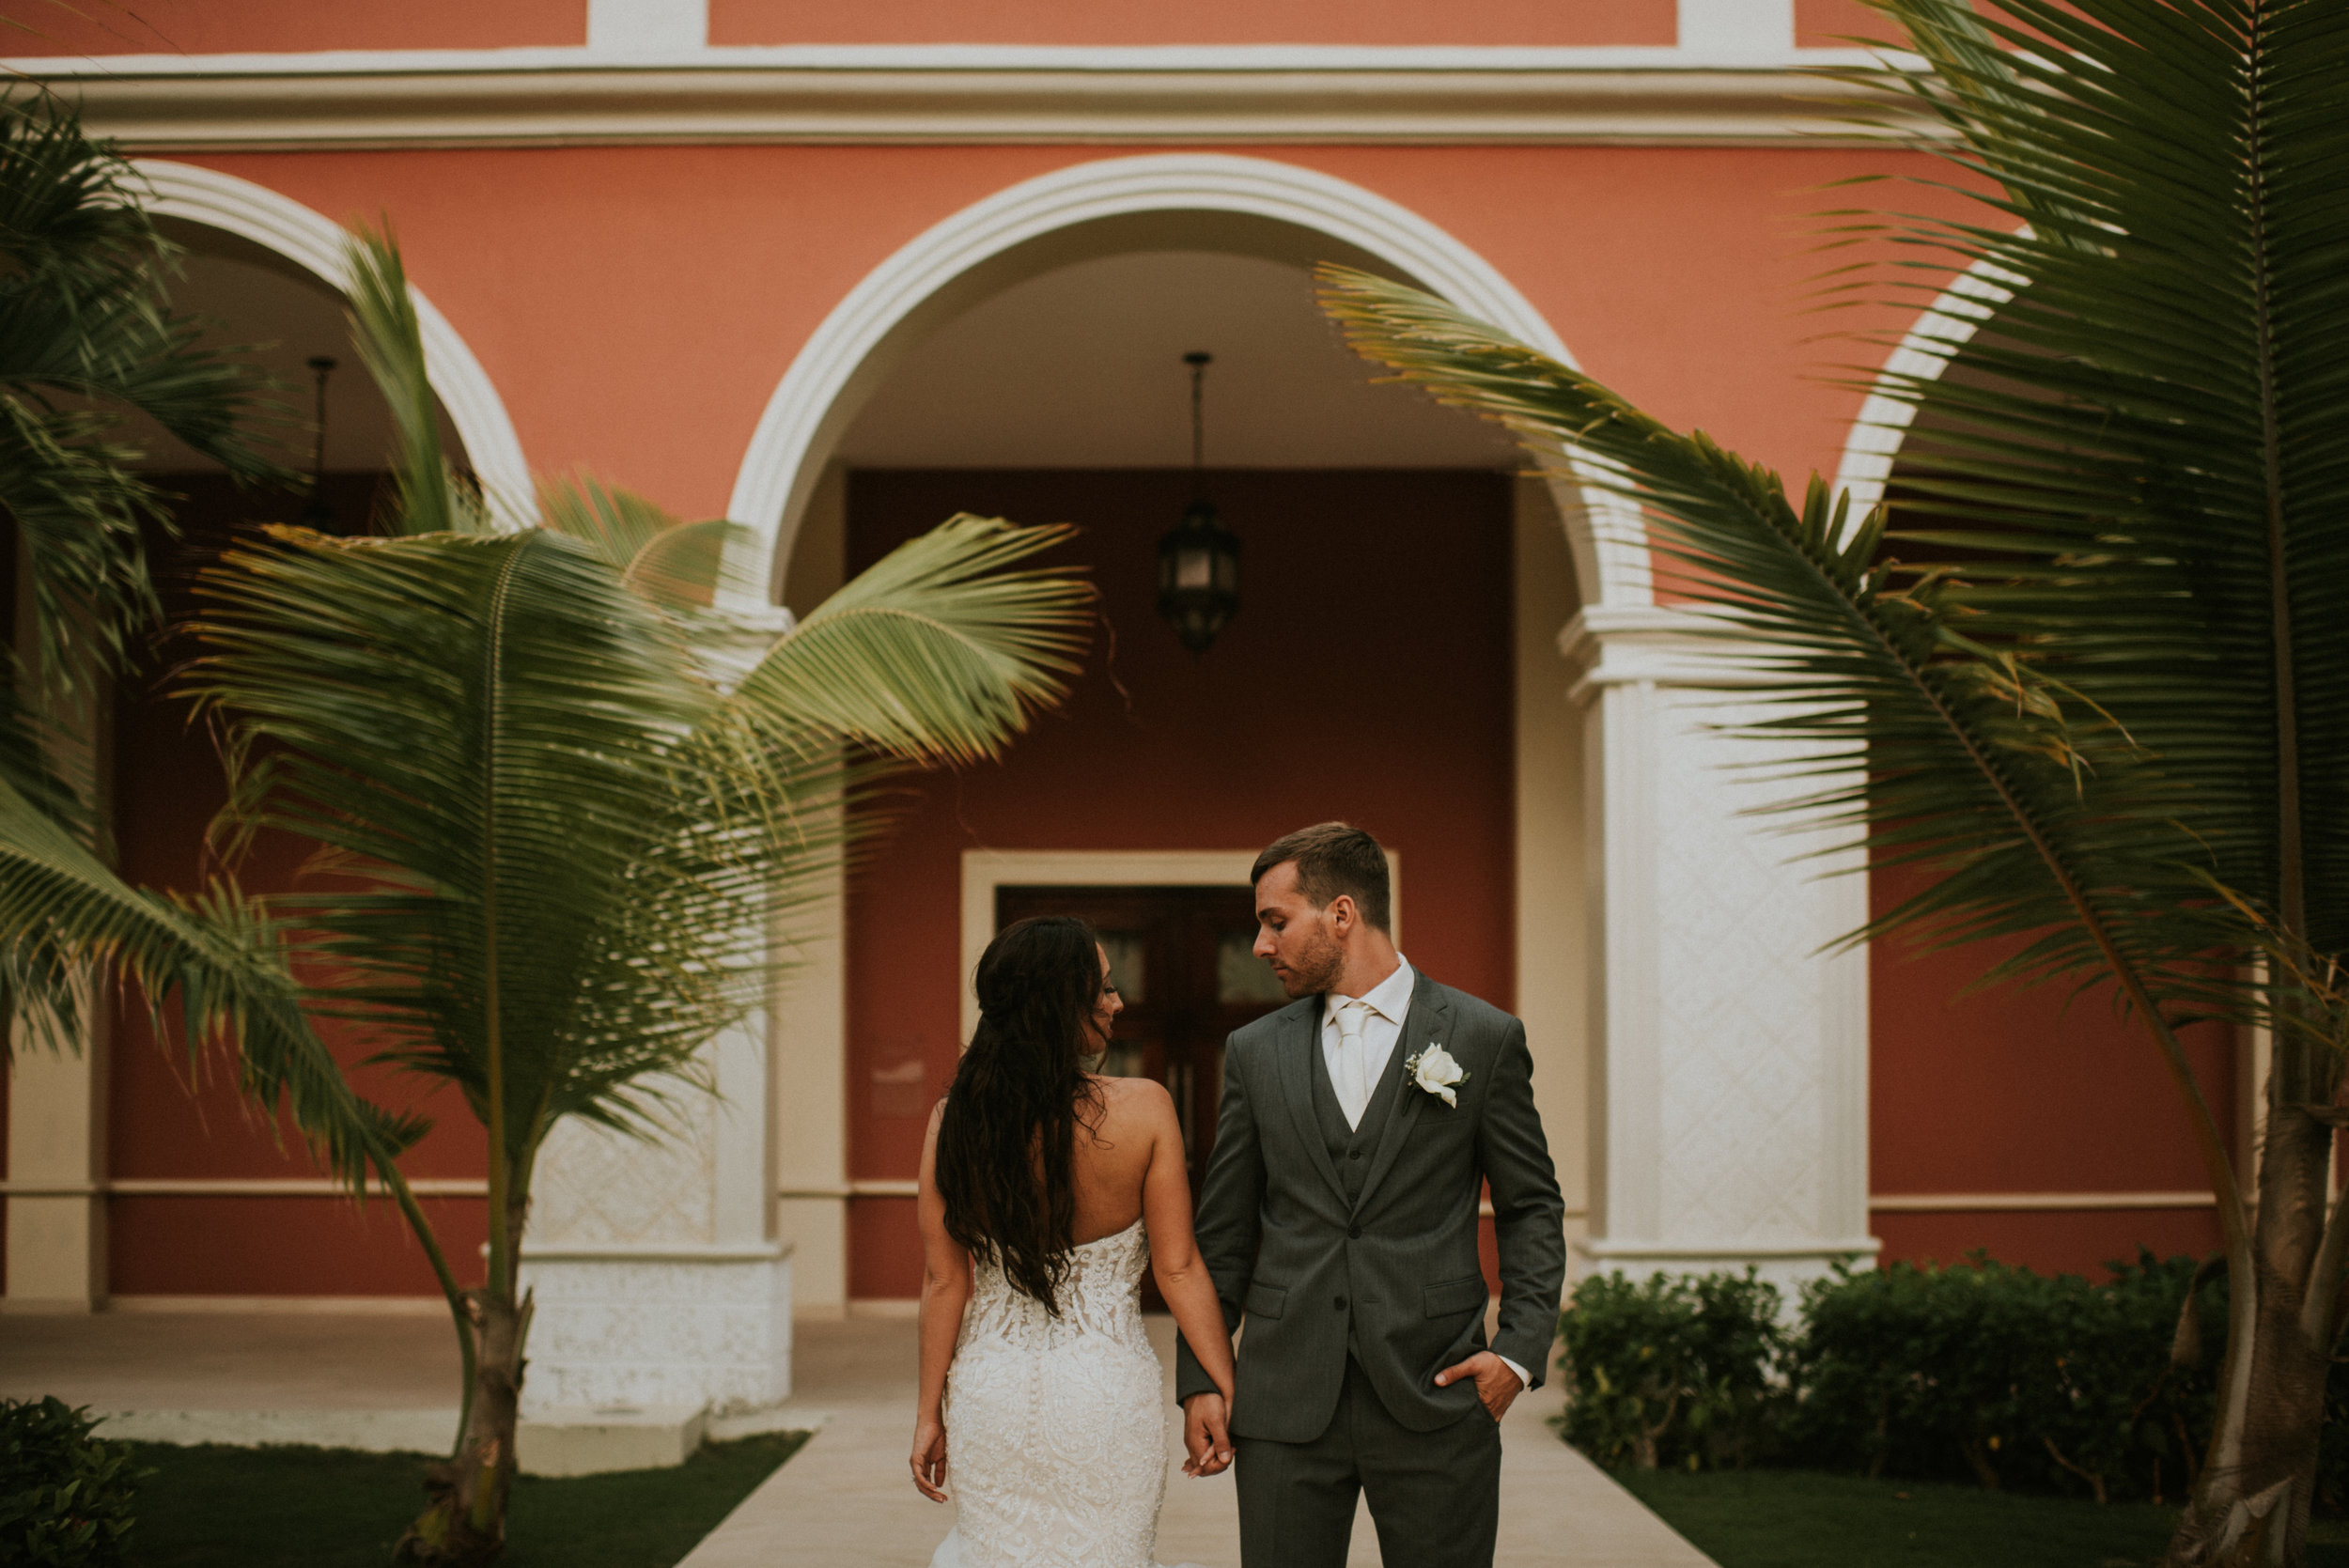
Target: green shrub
{"x": 2003, "y": 1376}
{"x": 65, "y": 1496}
{"x": 1680, "y": 1371}
{"x": 1978, "y": 1372}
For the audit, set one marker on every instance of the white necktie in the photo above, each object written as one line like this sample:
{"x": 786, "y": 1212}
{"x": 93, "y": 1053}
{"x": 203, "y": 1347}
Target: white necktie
{"x": 1353, "y": 1061}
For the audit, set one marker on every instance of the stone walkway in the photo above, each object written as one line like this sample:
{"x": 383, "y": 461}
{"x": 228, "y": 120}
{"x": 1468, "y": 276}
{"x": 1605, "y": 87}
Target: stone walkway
{"x": 846, "y": 1502}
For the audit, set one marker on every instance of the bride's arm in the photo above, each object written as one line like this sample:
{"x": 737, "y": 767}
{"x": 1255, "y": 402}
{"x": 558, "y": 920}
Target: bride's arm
{"x": 945, "y": 1291}
{"x": 1174, "y": 1259}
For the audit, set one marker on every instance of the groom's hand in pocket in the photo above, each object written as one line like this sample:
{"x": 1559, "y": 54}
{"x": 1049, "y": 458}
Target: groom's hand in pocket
{"x": 1204, "y": 1438}
{"x": 1496, "y": 1385}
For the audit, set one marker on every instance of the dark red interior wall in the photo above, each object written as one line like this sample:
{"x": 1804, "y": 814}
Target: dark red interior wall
{"x": 171, "y": 1118}
{"x": 2011, "y": 1091}
{"x": 1366, "y": 676}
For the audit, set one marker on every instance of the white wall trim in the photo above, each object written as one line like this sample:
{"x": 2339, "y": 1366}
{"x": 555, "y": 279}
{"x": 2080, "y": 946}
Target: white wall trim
{"x": 640, "y": 79}
{"x": 239, "y": 1187}
{"x": 842, "y": 361}
{"x": 308, "y": 238}
{"x": 2002, "y": 1203}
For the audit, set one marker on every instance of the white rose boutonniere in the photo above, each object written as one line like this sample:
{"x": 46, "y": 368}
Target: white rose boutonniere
{"x": 1434, "y": 1070}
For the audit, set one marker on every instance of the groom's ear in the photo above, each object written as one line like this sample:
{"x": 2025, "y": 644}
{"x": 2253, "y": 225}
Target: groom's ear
{"x": 1342, "y": 912}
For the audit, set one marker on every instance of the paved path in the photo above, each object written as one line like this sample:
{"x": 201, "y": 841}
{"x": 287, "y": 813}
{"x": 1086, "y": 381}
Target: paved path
{"x": 844, "y": 1500}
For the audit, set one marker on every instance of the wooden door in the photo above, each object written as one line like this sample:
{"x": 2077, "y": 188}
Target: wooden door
{"x": 1181, "y": 960}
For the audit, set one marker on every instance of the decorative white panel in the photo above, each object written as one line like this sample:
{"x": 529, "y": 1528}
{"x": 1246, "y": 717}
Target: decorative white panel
{"x": 1729, "y": 1049}
{"x": 596, "y": 1185}
{"x": 713, "y": 1331}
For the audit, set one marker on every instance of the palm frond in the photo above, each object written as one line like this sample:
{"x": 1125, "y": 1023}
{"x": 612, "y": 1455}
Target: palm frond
{"x": 935, "y": 654}
{"x": 430, "y": 496}
{"x": 218, "y": 961}
{"x": 2135, "y": 469}
{"x": 679, "y": 564}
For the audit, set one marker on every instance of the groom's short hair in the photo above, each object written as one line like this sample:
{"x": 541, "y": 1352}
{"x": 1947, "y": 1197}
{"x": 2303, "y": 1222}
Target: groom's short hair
{"x": 1333, "y": 858}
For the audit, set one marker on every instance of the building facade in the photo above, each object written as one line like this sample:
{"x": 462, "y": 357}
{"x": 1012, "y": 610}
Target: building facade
{"x": 839, "y": 271}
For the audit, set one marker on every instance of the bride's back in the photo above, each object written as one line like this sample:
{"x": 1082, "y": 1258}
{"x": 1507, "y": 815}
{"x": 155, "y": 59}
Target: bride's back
{"x": 1108, "y": 1159}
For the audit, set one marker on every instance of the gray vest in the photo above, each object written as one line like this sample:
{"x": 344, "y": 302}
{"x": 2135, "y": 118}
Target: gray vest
{"x": 1351, "y": 1148}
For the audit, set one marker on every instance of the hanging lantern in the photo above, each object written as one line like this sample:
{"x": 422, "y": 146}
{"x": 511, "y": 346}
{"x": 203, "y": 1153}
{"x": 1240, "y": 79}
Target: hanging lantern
{"x": 316, "y": 513}
{"x": 1198, "y": 557}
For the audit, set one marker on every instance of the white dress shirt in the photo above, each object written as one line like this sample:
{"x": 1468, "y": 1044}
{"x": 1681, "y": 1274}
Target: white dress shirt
{"x": 1388, "y": 1002}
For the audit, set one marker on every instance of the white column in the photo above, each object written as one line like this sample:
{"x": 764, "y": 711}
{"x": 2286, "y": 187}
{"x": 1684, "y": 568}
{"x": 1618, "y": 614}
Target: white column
{"x": 56, "y": 1255}
{"x": 1729, "y": 1055}
{"x": 655, "y": 1278}
{"x": 1551, "y": 929}
{"x": 57, "y": 1166}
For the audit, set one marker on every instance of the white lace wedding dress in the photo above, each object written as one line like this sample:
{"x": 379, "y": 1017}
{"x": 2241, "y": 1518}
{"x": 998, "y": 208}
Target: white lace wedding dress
{"x": 1056, "y": 1427}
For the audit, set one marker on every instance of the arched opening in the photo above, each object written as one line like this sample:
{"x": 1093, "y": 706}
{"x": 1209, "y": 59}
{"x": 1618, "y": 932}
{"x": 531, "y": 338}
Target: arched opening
{"x": 199, "y": 1196}
{"x": 1978, "y": 1097}
{"x": 1394, "y": 662}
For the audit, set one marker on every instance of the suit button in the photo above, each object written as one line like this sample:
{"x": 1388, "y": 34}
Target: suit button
{"x": 1354, "y": 1235}
{"x": 1353, "y": 1153}
{"x": 1340, "y": 1303}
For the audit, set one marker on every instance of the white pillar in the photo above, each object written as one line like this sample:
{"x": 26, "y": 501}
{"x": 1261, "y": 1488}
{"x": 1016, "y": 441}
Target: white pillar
{"x": 56, "y": 1255}
{"x": 1552, "y": 932}
{"x": 1728, "y": 1054}
{"x": 657, "y": 1280}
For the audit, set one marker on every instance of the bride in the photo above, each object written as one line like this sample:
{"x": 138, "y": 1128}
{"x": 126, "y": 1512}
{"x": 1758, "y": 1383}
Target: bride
{"x": 1046, "y": 1189}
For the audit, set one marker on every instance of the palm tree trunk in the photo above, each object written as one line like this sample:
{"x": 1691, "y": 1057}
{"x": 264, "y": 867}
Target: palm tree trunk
{"x": 2251, "y": 1503}
{"x": 463, "y": 1523}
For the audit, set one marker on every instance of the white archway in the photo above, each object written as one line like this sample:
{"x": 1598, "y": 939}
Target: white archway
{"x": 1124, "y": 203}
{"x": 1924, "y": 351}
{"x": 309, "y": 239}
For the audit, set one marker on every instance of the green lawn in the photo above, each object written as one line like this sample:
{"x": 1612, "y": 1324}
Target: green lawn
{"x": 331, "y": 1508}
{"x": 1802, "y": 1519}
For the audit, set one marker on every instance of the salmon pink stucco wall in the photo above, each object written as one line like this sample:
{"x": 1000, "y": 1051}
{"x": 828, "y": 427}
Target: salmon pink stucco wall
{"x": 168, "y": 1118}
{"x": 282, "y": 26}
{"x": 2007, "y": 1090}
{"x": 1521, "y": 23}
{"x": 636, "y": 306}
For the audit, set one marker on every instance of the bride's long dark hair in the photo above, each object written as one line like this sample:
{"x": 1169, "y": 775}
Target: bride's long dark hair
{"x": 1012, "y": 1113}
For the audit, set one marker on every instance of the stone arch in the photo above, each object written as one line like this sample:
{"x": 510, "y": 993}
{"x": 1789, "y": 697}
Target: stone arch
{"x": 312, "y": 241}
{"x": 1251, "y": 206}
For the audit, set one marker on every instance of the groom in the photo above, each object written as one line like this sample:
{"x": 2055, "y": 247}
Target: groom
{"x": 1357, "y": 1126}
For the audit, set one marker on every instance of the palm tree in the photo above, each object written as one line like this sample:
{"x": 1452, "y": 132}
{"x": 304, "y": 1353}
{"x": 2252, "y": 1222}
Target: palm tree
{"x": 560, "y": 803}
{"x": 2105, "y": 703}
{"x": 87, "y": 333}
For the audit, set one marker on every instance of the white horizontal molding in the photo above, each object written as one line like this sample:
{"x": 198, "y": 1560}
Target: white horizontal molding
{"x": 238, "y": 1187}
{"x": 1987, "y": 1202}
{"x": 386, "y": 1306}
{"x": 657, "y": 1252}
{"x": 1622, "y": 1250}
{"x": 964, "y": 93}
{"x": 1616, "y": 646}
{"x": 874, "y": 1188}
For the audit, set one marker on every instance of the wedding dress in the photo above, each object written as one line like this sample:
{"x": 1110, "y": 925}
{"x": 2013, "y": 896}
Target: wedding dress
{"x": 1056, "y": 1427}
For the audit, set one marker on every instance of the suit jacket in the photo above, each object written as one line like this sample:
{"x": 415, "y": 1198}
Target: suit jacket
{"x": 1390, "y": 1275}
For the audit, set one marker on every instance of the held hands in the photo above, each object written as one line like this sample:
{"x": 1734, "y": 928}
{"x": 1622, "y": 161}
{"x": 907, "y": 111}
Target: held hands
{"x": 1204, "y": 1438}
{"x": 929, "y": 1458}
{"x": 1496, "y": 1385}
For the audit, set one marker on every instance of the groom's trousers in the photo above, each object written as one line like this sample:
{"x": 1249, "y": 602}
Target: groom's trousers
{"x": 1434, "y": 1496}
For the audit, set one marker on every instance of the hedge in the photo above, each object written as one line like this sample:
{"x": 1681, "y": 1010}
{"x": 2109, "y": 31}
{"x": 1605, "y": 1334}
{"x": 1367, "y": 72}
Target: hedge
{"x": 65, "y": 1496}
{"x": 1978, "y": 1371}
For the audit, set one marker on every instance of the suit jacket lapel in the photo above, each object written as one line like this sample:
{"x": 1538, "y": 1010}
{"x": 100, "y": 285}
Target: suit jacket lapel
{"x": 1300, "y": 1042}
{"x": 1424, "y": 1024}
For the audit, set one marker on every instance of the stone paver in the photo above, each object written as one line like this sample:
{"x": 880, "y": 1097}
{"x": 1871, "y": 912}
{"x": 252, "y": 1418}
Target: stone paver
{"x": 846, "y": 1500}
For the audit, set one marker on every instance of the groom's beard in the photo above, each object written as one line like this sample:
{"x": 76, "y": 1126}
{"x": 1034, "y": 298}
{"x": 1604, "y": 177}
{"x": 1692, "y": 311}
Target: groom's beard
{"x": 1312, "y": 970}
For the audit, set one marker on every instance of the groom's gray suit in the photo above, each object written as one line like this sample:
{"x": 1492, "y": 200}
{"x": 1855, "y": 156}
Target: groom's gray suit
{"x": 1351, "y": 1254}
